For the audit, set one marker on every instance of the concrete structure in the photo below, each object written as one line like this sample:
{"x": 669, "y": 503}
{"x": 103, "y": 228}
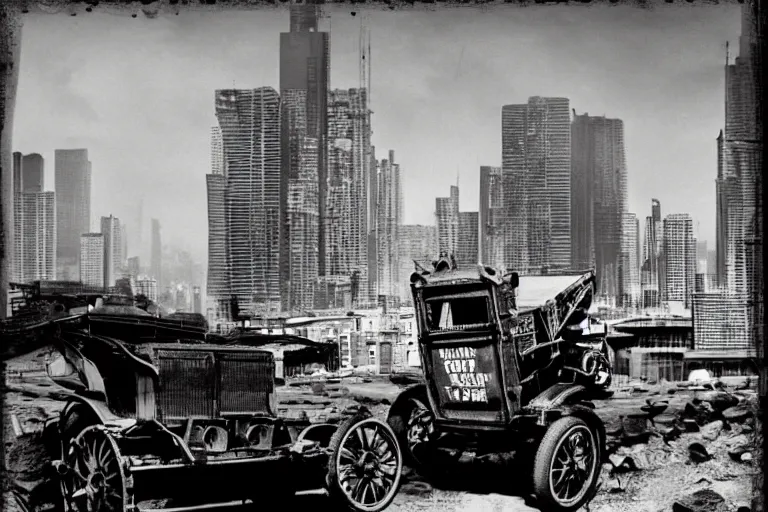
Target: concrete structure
{"x": 113, "y": 250}
{"x": 92, "y": 259}
{"x": 73, "y": 208}
{"x": 652, "y": 347}
{"x": 197, "y": 300}
{"x": 598, "y": 199}
{"x": 389, "y": 212}
{"x": 491, "y": 217}
{"x": 417, "y": 243}
{"x": 346, "y": 213}
{"x": 536, "y": 162}
{"x": 304, "y": 80}
{"x": 250, "y": 126}
{"x": 679, "y": 258}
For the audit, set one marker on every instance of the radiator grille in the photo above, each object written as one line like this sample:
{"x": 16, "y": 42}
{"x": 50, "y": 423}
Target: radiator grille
{"x": 187, "y": 384}
{"x": 245, "y": 382}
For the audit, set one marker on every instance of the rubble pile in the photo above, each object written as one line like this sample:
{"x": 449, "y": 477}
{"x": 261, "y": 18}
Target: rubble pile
{"x": 694, "y": 453}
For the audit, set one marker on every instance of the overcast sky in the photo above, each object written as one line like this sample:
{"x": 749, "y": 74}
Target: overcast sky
{"x": 139, "y": 94}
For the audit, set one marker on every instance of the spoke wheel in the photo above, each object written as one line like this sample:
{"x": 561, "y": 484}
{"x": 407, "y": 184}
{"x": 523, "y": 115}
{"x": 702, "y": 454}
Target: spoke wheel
{"x": 365, "y": 464}
{"x": 95, "y": 480}
{"x": 566, "y": 465}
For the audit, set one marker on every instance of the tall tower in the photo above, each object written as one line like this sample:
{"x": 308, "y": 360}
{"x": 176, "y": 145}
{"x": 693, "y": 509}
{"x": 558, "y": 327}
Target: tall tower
{"x": 680, "y": 258}
{"x": 250, "y": 128}
{"x": 491, "y": 217}
{"x": 73, "y": 208}
{"x": 112, "y": 232}
{"x": 156, "y": 263}
{"x": 447, "y": 218}
{"x": 217, "y": 286}
{"x": 598, "y": 198}
{"x": 536, "y": 163}
{"x": 304, "y": 80}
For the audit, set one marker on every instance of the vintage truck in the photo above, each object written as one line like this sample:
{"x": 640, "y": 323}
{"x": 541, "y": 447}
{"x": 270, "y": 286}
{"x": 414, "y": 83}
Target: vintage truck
{"x": 189, "y": 425}
{"x": 509, "y": 364}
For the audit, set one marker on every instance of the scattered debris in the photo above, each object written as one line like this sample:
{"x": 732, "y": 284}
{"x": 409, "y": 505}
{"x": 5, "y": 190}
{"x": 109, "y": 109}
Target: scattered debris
{"x": 737, "y": 413}
{"x": 698, "y": 453}
{"x": 690, "y": 425}
{"x": 710, "y": 431}
{"x": 704, "y": 500}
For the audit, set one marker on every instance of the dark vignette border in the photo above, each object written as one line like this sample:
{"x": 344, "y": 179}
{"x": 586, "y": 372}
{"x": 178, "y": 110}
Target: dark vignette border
{"x": 11, "y": 15}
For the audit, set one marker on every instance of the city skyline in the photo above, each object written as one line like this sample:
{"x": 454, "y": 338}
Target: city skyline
{"x": 392, "y": 130}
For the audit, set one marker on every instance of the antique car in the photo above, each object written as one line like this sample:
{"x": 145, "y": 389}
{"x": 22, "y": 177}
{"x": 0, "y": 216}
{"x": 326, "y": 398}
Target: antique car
{"x": 193, "y": 425}
{"x": 509, "y": 365}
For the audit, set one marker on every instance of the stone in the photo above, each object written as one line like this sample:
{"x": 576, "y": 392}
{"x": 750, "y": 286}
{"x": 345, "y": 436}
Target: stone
{"x": 719, "y": 400}
{"x": 710, "y": 431}
{"x": 737, "y": 413}
{"x": 746, "y": 457}
{"x": 698, "y": 453}
{"x": 703, "y": 500}
{"x": 622, "y": 463}
{"x": 702, "y": 412}
{"x": 614, "y": 486}
{"x": 690, "y": 425}
{"x": 664, "y": 419}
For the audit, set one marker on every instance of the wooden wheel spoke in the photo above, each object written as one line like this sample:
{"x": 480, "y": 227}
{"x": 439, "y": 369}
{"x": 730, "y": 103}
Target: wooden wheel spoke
{"x": 387, "y": 458}
{"x": 362, "y": 438}
{"x": 347, "y": 454}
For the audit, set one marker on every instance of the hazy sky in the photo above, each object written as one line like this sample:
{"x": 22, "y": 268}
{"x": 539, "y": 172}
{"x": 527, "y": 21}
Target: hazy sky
{"x": 139, "y": 94}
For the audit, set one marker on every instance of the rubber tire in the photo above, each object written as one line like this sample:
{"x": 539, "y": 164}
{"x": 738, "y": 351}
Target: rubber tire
{"x": 399, "y": 425}
{"x": 543, "y": 459}
{"x": 334, "y": 489}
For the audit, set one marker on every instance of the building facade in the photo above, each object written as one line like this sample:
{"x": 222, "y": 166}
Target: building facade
{"x": 536, "y": 162}
{"x": 37, "y": 241}
{"x": 389, "y": 211}
{"x": 250, "y": 126}
{"x": 113, "y": 250}
{"x": 679, "y": 258}
{"x": 629, "y": 268}
{"x": 447, "y": 219}
{"x": 92, "y": 259}
{"x": 468, "y": 243}
{"x": 651, "y": 271}
{"x": 73, "y": 208}
{"x": 598, "y": 199}
{"x": 346, "y": 213}
{"x": 156, "y": 255}
{"x": 148, "y": 287}
{"x": 417, "y": 244}
{"x": 491, "y": 217}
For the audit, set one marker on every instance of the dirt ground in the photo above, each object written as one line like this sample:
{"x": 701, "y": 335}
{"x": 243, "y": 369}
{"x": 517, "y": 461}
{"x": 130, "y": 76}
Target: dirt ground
{"x": 666, "y": 473}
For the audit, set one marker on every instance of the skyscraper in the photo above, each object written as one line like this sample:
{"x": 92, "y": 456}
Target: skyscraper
{"x": 250, "y": 129}
{"x": 92, "y": 259}
{"x": 536, "y": 166}
{"x": 447, "y": 218}
{"x": 304, "y": 79}
{"x": 629, "y": 271}
{"x": 389, "y": 212}
{"x": 346, "y": 214}
{"x": 598, "y": 198}
{"x": 491, "y": 217}
{"x": 651, "y": 271}
{"x": 34, "y": 221}
{"x": 112, "y": 233}
{"x": 417, "y": 243}
{"x": 679, "y": 257}
{"x": 468, "y": 246}
{"x": 73, "y": 208}
{"x": 156, "y": 263}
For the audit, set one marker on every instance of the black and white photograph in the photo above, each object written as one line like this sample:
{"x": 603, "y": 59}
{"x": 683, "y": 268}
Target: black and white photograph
{"x": 368, "y": 256}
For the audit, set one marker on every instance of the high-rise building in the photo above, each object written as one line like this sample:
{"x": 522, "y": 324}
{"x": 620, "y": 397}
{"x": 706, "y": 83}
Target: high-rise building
{"x": 112, "y": 232}
{"x": 720, "y": 322}
{"x": 491, "y": 217}
{"x": 304, "y": 79}
{"x": 417, "y": 243}
{"x": 389, "y": 210}
{"x": 447, "y": 219}
{"x": 147, "y": 286}
{"x": 250, "y": 128}
{"x": 680, "y": 258}
{"x": 34, "y": 251}
{"x": 598, "y": 198}
{"x": 133, "y": 266}
{"x": 536, "y": 166}
{"x": 92, "y": 259}
{"x": 629, "y": 271}
{"x": 197, "y": 300}
{"x": 651, "y": 271}
{"x": 468, "y": 244}
{"x": 346, "y": 213}
{"x": 156, "y": 256}
{"x": 73, "y": 208}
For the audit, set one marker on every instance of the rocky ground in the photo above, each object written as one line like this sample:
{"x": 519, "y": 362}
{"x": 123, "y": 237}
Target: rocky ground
{"x": 672, "y": 448}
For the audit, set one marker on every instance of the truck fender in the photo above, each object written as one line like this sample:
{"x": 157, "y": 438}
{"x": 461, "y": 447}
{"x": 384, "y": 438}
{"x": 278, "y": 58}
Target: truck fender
{"x": 593, "y": 420}
{"x": 557, "y": 395}
{"x": 400, "y": 406}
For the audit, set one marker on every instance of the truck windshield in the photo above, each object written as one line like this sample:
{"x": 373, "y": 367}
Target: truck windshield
{"x": 457, "y": 313}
